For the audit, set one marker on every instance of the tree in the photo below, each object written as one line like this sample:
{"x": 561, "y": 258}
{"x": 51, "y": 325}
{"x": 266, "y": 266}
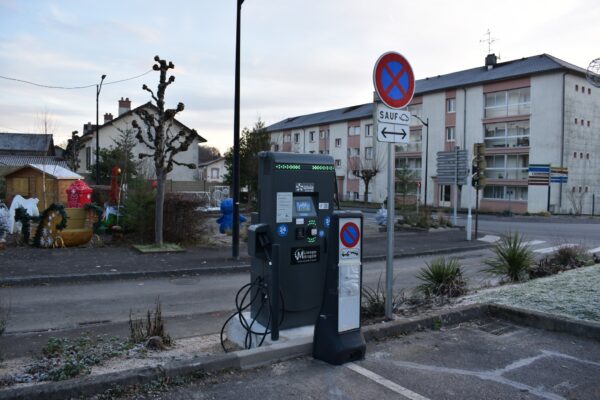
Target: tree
{"x": 251, "y": 142}
{"x": 207, "y": 153}
{"x": 161, "y": 140}
{"x": 46, "y": 126}
{"x": 71, "y": 153}
{"x": 405, "y": 182}
{"x": 120, "y": 155}
{"x": 365, "y": 170}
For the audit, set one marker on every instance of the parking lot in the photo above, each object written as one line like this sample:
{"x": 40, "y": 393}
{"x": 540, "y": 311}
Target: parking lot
{"x": 489, "y": 359}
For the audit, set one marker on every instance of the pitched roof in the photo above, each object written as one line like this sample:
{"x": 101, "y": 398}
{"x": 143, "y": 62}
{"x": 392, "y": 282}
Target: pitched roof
{"x": 20, "y": 160}
{"x": 32, "y": 142}
{"x": 535, "y": 65}
{"x": 92, "y": 133}
{"x": 207, "y": 163}
{"x": 56, "y": 171}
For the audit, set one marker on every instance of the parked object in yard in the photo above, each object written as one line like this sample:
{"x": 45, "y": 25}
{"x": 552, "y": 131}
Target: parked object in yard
{"x": 31, "y": 205}
{"x": 225, "y": 221}
{"x": 78, "y": 194}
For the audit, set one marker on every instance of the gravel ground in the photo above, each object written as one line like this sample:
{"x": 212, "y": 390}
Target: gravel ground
{"x": 572, "y": 294}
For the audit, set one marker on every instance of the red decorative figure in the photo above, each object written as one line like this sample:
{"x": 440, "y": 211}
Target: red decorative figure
{"x": 114, "y": 185}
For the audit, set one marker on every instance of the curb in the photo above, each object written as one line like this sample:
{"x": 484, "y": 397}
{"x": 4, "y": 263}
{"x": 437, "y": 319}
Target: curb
{"x": 228, "y": 269}
{"x": 245, "y": 359}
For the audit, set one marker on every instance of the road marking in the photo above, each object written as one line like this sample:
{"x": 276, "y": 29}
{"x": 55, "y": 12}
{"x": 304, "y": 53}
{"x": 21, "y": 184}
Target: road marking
{"x": 534, "y": 242}
{"x": 552, "y": 249}
{"x": 490, "y": 238}
{"x": 409, "y": 394}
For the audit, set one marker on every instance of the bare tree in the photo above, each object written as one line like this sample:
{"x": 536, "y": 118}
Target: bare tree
{"x": 576, "y": 199}
{"x": 46, "y": 126}
{"x": 163, "y": 142}
{"x": 365, "y": 170}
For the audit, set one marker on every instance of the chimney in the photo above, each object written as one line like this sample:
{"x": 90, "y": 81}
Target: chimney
{"x": 108, "y": 117}
{"x": 124, "y": 106}
{"x": 88, "y": 128}
{"x": 490, "y": 61}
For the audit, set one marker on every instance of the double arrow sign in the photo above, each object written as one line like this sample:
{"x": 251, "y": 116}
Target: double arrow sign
{"x": 392, "y": 125}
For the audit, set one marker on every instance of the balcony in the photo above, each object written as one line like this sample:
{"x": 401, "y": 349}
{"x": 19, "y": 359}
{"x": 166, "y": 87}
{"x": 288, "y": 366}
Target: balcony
{"x": 412, "y": 147}
{"x": 507, "y": 173}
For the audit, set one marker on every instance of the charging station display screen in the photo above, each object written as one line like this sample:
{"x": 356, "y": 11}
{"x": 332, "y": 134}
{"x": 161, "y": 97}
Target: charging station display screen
{"x": 304, "y": 207}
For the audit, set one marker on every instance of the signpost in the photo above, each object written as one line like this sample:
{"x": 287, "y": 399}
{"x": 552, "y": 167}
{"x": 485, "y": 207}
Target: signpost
{"x": 453, "y": 169}
{"x": 394, "y": 83}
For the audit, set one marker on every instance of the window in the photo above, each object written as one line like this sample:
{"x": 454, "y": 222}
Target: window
{"x": 368, "y": 153}
{"x": 576, "y": 121}
{"x": 353, "y": 130}
{"x": 587, "y": 156}
{"x": 296, "y": 138}
{"x": 574, "y": 154}
{"x": 588, "y": 123}
{"x": 581, "y": 155}
{"x": 577, "y": 88}
{"x": 214, "y": 173}
{"x": 450, "y": 105}
{"x": 338, "y": 163}
{"x": 589, "y": 91}
{"x": 275, "y": 147}
{"x": 287, "y": 138}
{"x": 311, "y": 136}
{"x": 355, "y": 195}
{"x": 582, "y": 122}
{"x": 353, "y": 151}
{"x": 512, "y": 193}
{"x": 507, "y": 134}
{"x": 88, "y": 158}
{"x": 450, "y": 134}
{"x": 507, "y": 166}
{"x": 507, "y": 103}
{"x": 586, "y": 188}
{"x": 324, "y": 133}
{"x": 369, "y": 130}
{"x": 338, "y": 142}
{"x": 582, "y": 89}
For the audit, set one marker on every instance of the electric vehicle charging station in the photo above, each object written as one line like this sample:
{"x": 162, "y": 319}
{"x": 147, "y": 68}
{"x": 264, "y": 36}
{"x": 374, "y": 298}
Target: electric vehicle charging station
{"x": 337, "y": 337}
{"x": 288, "y": 241}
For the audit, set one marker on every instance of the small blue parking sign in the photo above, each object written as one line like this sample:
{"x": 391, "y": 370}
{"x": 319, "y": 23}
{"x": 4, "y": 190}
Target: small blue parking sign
{"x": 282, "y": 230}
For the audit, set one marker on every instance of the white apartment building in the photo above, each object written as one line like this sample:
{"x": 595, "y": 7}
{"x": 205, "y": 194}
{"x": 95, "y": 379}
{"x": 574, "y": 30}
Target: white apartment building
{"x": 534, "y": 110}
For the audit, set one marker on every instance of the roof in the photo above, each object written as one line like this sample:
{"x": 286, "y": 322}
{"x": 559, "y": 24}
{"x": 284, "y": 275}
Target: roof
{"x": 21, "y": 160}
{"x": 535, "y": 65}
{"x": 32, "y": 142}
{"x": 207, "y": 163}
{"x": 91, "y": 134}
{"x": 56, "y": 171}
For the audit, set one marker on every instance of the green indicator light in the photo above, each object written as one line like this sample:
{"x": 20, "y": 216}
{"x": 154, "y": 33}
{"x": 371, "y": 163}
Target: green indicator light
{"x": 322, "y": 167}
{"x": 288, "y": 167}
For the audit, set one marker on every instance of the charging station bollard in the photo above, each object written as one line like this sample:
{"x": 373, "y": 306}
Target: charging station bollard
{"x": 338, "y": 338}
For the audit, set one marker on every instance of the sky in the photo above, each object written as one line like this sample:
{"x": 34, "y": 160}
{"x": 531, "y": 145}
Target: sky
{"x": 297, "y": 57}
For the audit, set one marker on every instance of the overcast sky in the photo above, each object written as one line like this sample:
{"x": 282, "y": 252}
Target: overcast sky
{"x": 298, "y": 56}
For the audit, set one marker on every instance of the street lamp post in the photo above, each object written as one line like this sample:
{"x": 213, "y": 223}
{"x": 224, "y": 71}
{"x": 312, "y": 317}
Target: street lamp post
{"x": 426, "y": 124}
{"x": 98, "y": 89}
{"x": 235, "y": 234}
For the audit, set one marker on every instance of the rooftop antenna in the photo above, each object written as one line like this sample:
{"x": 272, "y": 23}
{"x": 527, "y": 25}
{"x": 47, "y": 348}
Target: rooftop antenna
{"x": 489, "y": 40}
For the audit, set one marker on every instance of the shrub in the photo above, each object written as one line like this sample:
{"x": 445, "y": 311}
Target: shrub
{"x": 138, "y": 210}
{"x": 513, "y": 258}
{"x": 182, "y": 220}
{"x": 572, "y": 256}
{"x": 442, "y": 277}
{"x": 373, "y": 301}
{"x": 140, "y": 330}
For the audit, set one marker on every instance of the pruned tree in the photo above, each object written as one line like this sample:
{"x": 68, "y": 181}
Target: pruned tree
{"x": 159, "y": 136}
{"x": 365, "y": 170}
{"x": 71, "y": 153}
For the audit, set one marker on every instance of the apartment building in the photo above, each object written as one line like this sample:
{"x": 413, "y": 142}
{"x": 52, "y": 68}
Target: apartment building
{"x": 534, "y": 110}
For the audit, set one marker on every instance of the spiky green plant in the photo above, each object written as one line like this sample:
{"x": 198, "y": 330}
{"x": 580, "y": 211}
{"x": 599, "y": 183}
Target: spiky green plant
{"x": 513, "y": 258}
{"x": 442, "y": 277}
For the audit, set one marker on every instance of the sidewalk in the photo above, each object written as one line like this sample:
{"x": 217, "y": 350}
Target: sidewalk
{"x": 29, "y": 266}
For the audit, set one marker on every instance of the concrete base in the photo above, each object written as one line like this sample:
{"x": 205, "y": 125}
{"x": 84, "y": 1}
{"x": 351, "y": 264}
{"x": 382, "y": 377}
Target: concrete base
{"x": 237, "y": 334}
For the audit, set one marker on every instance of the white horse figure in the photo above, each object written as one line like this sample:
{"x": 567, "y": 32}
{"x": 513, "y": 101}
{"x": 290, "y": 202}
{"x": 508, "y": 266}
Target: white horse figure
{"x": 19, "y": 201}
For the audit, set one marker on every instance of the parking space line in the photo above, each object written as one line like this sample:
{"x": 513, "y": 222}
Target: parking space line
{"x": 385, "y": 382}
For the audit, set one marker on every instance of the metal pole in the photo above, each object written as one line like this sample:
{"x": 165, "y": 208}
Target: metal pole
{"x": 98, "y": 89}
{"x": 454, "y": 216}
{"x": 426, "y": 158}
{"x": 389, "y": 271}
{"x": 235, "y": 237}
{"x": 548, "y": 205}
{"x": 476, "y": 212}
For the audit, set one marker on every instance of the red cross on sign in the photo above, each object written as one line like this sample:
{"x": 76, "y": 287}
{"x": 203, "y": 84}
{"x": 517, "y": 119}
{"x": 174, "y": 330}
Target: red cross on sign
{"x": 394, "y": 80}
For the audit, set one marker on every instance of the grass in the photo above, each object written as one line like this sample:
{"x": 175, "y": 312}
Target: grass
{"x": 164, "y": 248}
{"x": 513, "y": 258}
{"x": 373, "y": 301}
{"x": 141, "y": 330}
{"x": 442, "y": 277}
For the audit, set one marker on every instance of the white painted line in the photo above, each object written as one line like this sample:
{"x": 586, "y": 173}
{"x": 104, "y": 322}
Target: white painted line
{"x": 596, "y": 250}
{"x": 409, "y": 394}
{"x": 534, "y": 242}
{"x": 552, "y": 249}
{"x": 490, "y": 238}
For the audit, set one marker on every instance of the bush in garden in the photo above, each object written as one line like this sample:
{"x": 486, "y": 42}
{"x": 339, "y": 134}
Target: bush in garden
{"x": 442, "y": 277}
{"x": 138, "y": 210}
{"x": 373, "y": 301}
{"x": 513, "y": 258}
{"x": 183, "y": 223}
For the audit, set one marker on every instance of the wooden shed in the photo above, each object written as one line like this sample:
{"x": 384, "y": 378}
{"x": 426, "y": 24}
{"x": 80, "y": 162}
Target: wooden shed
{"x": 28, "y": 181}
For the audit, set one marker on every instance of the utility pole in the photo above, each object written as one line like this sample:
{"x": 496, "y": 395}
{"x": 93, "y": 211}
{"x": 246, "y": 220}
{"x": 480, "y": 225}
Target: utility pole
{"x": 98, "y": 89}
{"x": 235, "y": 239}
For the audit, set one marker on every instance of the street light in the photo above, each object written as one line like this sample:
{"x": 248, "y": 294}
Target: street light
{"x": 426, "y": 124}
{"x": 98, "y": 88}
{"x": 235, "y": 234}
